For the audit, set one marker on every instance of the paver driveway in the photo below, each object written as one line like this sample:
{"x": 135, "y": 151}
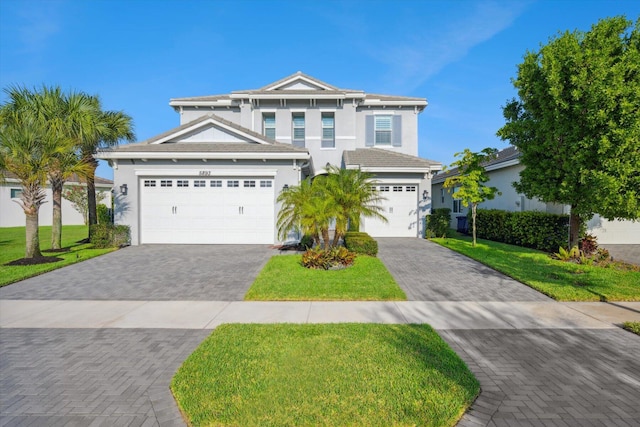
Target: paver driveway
{"x": 152, "y": 273}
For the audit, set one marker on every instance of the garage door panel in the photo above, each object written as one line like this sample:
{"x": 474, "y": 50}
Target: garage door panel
{"x": 216, "y": 211}
{"x": 400, "y": 209}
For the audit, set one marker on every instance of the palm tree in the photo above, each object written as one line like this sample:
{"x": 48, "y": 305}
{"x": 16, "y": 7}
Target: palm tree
{"x": 99, "y": 129}
{"x": 27, "y": 147}
{"x": 294, "y": 213}
{"x": 354, "y": 197}
{"x": 60, "y": 113}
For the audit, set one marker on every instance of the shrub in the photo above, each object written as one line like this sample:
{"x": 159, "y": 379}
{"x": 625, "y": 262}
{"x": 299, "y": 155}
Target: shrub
{"x": 437, "y": 223}
{"x": 104, "y": 214}
{"x": 109, "y": 235}
{"x": 589, "y": 244}
{"x": 306, "y": 242}
{"x": 537, "y": 230}
{"x": 334, "y": 258}
{"x": 361, "y": 243}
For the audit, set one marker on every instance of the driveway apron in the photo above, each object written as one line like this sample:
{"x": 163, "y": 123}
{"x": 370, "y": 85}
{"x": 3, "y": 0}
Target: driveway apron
{"x": 573, "y": 371}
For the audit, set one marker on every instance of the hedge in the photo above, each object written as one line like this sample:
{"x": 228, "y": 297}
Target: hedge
{"x": 361, "y": 243}
{"x": 109, "y": 235}
{"x": 537, "y": 230}
{"x": 437, "y": 223}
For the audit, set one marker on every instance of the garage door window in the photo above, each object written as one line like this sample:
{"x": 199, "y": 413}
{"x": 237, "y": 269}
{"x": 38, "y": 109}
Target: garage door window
{"x": 250, "y": 183}
{"x": 384, "y": 188}
{"x": 266, "y": 184}
{"x": 215, "y": 183}
{"x": 397, "y": 188}
{"x": 149, "y": 182}
{"x": 182, "y": 183}
{"x": 411, "y": 188}
{"x": 199, "y": 183}
{"x": 166, "y": 183}
{"x": 233, "y": 183}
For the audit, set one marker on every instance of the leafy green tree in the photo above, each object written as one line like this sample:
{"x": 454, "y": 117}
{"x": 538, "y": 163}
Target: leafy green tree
{"x": 577, "y": 122}
{"x": 77, "y": 195}
{"x": 27, "y": 149}
{"x": 469, "y": 182}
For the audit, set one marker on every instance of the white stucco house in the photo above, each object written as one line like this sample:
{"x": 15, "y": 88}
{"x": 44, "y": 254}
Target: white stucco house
{"x": 503, "y": 171}
{"x": 214, "y": 178}
{"x": 12, "y": 215}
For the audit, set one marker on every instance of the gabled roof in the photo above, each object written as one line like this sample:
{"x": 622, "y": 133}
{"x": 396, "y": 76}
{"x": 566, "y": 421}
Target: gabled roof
{"x": 164, "y": 146}
{"x": 299, "y": 86}
{"x": 379, "y": 160}
{"x": 507, "y": 157}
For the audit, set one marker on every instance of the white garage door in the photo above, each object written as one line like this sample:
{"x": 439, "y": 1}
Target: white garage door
{"x": 400, "y": 209}
{"x": 232, "y": 210}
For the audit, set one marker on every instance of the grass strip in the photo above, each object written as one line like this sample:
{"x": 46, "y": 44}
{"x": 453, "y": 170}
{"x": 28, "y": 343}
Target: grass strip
{"x": 329, "y": 375}
{"x": 563, "y": 281}
{"x": 12, "y": 247}
{"x": 284, "y": 278}
{"x": 632, "y": 327}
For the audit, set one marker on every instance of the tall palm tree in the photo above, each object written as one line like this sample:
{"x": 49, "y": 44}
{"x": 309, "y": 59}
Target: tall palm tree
{"x": 101, "y": 129}
{"x": 27, "y": 148}
{"x": 354, "y": 197}
{"x": 293, "y": 215}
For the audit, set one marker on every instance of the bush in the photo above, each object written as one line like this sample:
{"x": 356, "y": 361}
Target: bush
{"x": 537, "y": 230}
{"x": 104, "y": 214}
{"x": 306, "y": 242}
{"x": 361, "y": 243}
{"x": 109, "y": 235}
{"x": 437, "y": 223}
{"x": 333, "y": 259}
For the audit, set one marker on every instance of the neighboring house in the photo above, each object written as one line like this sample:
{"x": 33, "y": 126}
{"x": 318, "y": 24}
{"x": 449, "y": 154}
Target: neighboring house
{"x": 12, "y": 215}
{"x": 503, "y": 171}
{"x": 216, "y": 177}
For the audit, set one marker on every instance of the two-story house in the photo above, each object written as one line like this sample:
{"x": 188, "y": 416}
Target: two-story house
{"x": 215, "y": 178}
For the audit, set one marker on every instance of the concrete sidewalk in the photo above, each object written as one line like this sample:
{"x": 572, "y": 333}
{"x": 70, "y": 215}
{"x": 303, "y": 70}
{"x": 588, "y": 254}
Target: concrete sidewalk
{"x": 441, "y": 315}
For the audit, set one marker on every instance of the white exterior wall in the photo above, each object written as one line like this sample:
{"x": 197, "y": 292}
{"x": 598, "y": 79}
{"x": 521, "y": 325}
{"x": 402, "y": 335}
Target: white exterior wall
{"x": 409, "y": 128}
{"x": 12, "y": 215}
{"x": 126, "y": 207}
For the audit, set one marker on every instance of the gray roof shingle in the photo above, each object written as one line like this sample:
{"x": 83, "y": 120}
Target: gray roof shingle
{"x": 379, "y": 158}
{"x": 509, "y": 153}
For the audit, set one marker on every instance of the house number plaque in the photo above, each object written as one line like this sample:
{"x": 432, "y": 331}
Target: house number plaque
{"x": 205, "y": 173}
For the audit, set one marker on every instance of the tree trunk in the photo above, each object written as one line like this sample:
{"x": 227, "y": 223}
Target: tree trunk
{"x": 91, "y": 193}
{"x": 325, "y": 238}
{"x": 56, "y": 224}
{"x": 33, "y": 236}
{"x": 474, "y": 207}
{"x": 574, "y": 228}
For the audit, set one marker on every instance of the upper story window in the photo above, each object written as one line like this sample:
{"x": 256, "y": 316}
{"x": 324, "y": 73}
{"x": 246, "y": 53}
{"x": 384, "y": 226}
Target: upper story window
{"x": 328, "y": 130}
{"x": 269, "y": 125}
{"x": 16, "y": 193}
{"x": 457, "y": 203}
{"x": 383, "y": 127}
{"x": 297, "y": 133}
{"x": 383, "y": 130}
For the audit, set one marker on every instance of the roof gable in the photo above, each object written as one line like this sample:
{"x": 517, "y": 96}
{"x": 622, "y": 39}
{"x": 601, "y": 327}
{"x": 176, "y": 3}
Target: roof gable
{"x": 298, "y": 81}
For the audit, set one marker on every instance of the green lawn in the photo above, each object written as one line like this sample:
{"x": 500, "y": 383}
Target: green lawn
{"x": 285, "y": 279}
{"x": 562, "y": 281}
{"x": 329, "y": 375}
{"x": 632, "y": 327}
{"x": 12, "y": 247}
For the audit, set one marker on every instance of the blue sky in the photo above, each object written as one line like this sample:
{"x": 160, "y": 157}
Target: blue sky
{"x": 137, "y": 54}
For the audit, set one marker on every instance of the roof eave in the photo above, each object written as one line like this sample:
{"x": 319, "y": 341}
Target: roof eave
{"x": 150, "y": 155}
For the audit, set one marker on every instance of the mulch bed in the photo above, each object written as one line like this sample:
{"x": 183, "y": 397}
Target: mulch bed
{"x": 35, "y": 261}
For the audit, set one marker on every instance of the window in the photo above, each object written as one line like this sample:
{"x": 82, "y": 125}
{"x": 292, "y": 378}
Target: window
{"x": 182, "y": 183}
{"x": 384, "y": 188}
{"x": 297, "y": 133}
{"x": 269, "y": 125}
{"x": 411, "y": 188}
{"x": 397, "y": 188}
{"x": 383, "y": 128}
{"x": 166, "y": 183}
{"x": 215, "y": 183}
{"x": 231, "y": 183}
{"x": 249, "y": 183}
{"x": 16, "y": 193}
{"x": 266, "y": 184}
{"x": 328, "y": 131}
{"x": 457, "y": 203}
{"x": 199, "y": 183}
{"x": 442, "y": 195}
{"x": 149, "y": 182}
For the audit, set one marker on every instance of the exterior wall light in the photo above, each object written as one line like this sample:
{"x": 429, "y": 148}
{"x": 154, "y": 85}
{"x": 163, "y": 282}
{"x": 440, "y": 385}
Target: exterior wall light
{"x": 425, "y": 194}
{"x": 285, "y": 187}
{"x": 123, "y": 189}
